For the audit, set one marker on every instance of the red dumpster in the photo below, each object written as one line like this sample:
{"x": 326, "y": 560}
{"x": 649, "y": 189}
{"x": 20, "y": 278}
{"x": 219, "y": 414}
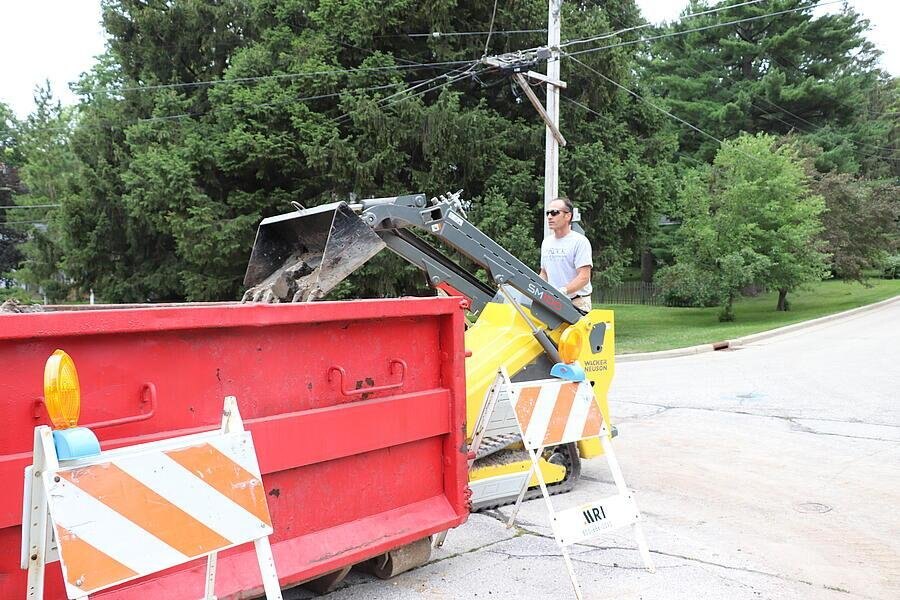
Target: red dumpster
{"x": 357, "y": 411}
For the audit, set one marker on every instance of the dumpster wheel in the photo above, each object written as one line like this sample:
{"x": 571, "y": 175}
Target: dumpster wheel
{"x": 400, "y": 560}
{"x": 328, "y": 582}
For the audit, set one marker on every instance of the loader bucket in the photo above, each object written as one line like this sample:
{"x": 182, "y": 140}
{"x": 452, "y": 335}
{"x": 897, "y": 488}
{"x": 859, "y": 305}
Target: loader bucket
{"x": 301, "y": 256}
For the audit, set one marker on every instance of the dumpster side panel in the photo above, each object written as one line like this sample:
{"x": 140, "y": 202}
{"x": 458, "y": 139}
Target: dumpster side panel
{"x": 357, "y": 411}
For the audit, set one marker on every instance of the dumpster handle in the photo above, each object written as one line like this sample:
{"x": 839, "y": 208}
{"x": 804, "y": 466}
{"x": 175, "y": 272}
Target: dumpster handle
{"x": 148, "y": 397}
{"x": 369, "y": 390}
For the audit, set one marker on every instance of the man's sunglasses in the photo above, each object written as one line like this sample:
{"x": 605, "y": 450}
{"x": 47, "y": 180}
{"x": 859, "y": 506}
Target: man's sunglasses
{"x": 554, "y": 212}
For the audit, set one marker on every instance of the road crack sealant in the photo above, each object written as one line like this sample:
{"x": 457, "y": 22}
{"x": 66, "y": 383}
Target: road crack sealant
{"x": 588, "y": 548}
{"x": 663, "y": 408}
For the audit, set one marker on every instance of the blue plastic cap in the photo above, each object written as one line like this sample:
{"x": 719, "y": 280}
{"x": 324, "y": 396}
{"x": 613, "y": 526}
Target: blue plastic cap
{"x": 571, "y": 372}
{"x": 76, "y": 442}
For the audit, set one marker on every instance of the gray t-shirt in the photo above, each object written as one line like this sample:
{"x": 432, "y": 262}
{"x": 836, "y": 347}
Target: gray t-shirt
{"x": 562, "y": 257}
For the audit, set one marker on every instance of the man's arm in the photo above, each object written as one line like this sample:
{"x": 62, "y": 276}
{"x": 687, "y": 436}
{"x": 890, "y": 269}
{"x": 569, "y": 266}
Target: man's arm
{"x": 543, "y": 274}
{"x": 582, "y": 277}
{"x": 583, "y": 262}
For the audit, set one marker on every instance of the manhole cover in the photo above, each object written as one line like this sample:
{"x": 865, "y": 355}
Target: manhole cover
{"x": 812, "y": 507}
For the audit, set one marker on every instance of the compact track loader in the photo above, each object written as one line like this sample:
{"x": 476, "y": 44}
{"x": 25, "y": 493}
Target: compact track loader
{"x": 300, "y": 256}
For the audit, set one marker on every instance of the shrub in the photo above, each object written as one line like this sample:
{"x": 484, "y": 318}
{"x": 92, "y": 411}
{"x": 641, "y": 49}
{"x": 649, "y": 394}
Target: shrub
{"x": 890, "y": 268}
{"x": 682, "y": 285}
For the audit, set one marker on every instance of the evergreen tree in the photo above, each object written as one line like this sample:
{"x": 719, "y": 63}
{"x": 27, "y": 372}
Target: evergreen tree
{"x": 11, "y": 235}
{"x": 317, "y": 101}
{"x": 47, "y": 171}
{"x": 778, "y": 72}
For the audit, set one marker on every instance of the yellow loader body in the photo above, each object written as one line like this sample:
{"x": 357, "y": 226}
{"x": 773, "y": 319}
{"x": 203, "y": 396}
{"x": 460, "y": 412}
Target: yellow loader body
{"x": 501, "y": 338}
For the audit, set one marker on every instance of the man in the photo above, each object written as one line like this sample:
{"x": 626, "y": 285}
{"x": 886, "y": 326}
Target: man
{"x": 566, "y": 259}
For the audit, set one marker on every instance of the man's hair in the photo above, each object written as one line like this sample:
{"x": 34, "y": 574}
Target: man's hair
{"x": 568, "y": 204}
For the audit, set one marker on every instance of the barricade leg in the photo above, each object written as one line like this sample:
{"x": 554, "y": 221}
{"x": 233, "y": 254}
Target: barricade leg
{"x": 267, "y": 568}
{"x": 44, "y": 458}
{"x": 38, "y": 533}
{"x": 515, "y": 509}
{"x": 619, "y": 479}
{"x": 536, "y": 469}
{"x": 643, "y": 548}
{"x": 211, "y": 577}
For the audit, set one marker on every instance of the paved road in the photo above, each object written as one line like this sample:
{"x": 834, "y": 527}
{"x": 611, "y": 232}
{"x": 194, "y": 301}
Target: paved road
{"x": 772, "y": 471}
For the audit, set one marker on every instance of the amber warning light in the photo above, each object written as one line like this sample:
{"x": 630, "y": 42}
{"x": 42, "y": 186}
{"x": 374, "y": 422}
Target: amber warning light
{"x": 62, "y": 394}
{"x": 62, "y": 397}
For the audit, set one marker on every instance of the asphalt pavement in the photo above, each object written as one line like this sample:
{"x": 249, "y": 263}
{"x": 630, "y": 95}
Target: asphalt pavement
{"x": 769, "y": 471}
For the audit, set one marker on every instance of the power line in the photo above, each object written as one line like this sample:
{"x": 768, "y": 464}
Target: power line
{"x": 440, "y": 34}
{"x": 604, "y": 36}
{"x": 17, "y": 206}
{"x": 413, "y": 65}
{"x": 407, "y": 90}
{"x": 594, "y": 112}
{"x": 373, "y": 52}
{"x": 273, "y": 104}
{"x": 765, "y": 113}
{"x": 384, "y": 104}
{"x": 384, "y": 101}
{"x": 860, "y": 144}
{"x": 22, "y": 222}
{"x": 704, "y": 28}
{"x": 490, "y": 30}
{"x": 584, "y": 106}
{"x": 657, "y": 107}
{"x": 263, "y": 105}
{"x": 798, "y": 117}
{"x": 467, "y": 73}
{"x": 212, "y": 82}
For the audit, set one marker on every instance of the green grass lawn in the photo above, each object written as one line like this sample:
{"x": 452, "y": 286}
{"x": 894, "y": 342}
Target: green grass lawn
{"x": 649, "y": 328}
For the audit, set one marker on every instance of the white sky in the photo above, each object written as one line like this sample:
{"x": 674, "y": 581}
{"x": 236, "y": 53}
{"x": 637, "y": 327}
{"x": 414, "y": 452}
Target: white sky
{"x": 58, "y": 40}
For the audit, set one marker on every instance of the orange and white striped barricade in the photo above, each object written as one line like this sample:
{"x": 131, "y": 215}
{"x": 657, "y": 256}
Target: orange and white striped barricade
{"x": 133, "y": 511}
{"x": 551, "y": 412}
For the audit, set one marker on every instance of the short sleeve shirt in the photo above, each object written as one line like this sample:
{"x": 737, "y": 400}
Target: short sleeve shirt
{"x": 562, "y": 257}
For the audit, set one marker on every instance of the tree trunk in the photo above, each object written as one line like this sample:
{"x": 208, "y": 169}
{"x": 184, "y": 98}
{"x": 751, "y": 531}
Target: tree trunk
{"x": 782, "y": 300}
{"x": 726, "y": 313}
{"x": 648, "y": 265}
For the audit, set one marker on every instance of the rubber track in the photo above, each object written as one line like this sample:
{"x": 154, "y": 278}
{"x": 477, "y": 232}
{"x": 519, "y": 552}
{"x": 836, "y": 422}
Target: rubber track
{"x": 573, "y": 472}
{"x": 492, "y": 445}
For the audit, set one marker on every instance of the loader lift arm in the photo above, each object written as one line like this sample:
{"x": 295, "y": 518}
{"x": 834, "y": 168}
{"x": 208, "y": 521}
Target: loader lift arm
{"x": 444, "y": 219}
{"x": 438, "y": 267}
{"x": 301, "y": 256}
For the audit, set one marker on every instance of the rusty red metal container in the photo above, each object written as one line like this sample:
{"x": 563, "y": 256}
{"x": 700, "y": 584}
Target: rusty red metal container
{"x": 357, "y": 411}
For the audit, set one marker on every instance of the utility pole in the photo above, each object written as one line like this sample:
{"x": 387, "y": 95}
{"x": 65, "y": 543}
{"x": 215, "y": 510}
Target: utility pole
{"x": 551, "y": 158}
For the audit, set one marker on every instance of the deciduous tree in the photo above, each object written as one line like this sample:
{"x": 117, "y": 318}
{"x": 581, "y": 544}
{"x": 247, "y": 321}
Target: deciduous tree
{"x": 749, "y": 218}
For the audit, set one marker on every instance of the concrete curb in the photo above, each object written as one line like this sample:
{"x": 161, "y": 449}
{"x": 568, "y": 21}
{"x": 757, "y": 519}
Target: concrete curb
{"x": 754, "y": 337}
